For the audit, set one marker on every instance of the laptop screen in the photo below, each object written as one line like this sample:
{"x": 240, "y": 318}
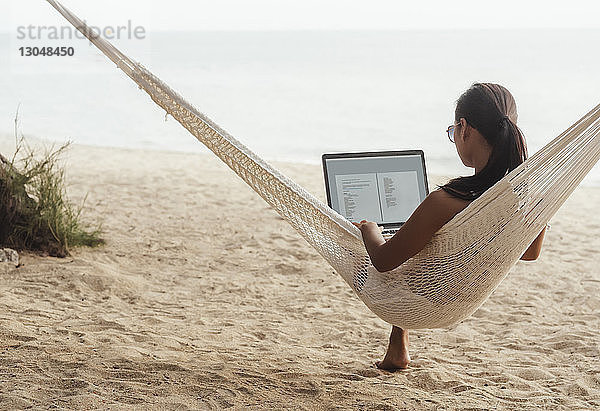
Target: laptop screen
{"x": 384, "y": 187}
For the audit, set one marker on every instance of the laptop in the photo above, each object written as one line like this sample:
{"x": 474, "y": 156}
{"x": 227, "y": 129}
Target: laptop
{"x": 380, "y": 186}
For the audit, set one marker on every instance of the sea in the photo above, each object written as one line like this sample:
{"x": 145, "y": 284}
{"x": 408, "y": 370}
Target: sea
{"x": 294, "y": 95}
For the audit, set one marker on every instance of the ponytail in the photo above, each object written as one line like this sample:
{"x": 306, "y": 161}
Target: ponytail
{"x": 489, "y": 108}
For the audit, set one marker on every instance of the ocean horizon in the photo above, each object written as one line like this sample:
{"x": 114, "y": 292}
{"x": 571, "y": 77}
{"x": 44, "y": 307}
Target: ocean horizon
{"x": 294, "y": 95}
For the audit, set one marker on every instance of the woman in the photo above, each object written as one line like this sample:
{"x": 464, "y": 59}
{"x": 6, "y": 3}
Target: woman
{"x": 487, "y": 139}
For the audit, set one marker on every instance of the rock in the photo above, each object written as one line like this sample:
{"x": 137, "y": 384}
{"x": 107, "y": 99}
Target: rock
{"x": 9, "y": 256}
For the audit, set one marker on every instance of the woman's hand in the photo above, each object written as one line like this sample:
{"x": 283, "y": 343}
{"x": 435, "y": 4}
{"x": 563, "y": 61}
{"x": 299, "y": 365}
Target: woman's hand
{"x": 372, "y": 238}
{"x": 367, "y": 226}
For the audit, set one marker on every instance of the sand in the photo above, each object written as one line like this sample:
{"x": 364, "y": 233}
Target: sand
{"x": 203, "y": 297}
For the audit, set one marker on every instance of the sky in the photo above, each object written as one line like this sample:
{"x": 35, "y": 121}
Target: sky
{"x": 311, "y": 14}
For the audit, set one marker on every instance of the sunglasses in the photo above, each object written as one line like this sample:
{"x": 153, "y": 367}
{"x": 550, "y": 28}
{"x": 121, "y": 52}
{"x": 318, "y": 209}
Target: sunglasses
{"x": 450, "y": 132}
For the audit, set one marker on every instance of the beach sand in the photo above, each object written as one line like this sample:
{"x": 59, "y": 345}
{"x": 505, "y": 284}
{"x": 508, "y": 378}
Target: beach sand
{"x": 203, "y": 297}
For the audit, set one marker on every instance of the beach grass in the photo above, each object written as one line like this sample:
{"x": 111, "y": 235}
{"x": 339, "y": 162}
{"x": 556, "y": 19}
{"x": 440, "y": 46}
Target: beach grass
{"x": 36, "y": 212}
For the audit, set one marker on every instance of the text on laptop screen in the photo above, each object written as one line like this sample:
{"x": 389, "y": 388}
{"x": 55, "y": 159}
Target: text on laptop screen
{"x": 382, "y": 189}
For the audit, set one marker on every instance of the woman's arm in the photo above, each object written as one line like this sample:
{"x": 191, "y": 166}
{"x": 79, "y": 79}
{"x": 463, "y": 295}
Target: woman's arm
{"x": 436, "y": 210}
{"x": 533, "y": 252}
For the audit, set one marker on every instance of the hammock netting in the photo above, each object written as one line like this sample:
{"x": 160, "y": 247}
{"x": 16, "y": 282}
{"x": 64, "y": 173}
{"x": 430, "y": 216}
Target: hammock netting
{"x": 465, "y": 260}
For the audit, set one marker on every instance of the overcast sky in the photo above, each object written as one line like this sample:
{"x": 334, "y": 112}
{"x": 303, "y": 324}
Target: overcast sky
{"x": 311, "y": 14}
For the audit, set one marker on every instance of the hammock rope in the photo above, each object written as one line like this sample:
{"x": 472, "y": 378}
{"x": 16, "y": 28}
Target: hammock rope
{"x": 465, "y": 260}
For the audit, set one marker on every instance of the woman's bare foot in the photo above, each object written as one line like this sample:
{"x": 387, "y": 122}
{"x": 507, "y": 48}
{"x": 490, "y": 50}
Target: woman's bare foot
{"x": 397, "y": 356}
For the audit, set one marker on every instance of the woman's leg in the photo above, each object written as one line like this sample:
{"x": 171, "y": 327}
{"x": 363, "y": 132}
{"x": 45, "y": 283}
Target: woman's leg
{"x": 397, "y": 353}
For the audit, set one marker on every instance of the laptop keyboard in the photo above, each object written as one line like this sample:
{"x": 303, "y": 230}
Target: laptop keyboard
{"x": 389, "y": 233}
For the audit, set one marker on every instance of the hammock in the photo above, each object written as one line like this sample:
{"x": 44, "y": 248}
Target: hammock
{"x": 465, "y": 260}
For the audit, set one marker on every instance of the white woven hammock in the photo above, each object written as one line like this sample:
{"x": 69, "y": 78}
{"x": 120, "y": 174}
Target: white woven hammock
{"x": 465, "y": 260}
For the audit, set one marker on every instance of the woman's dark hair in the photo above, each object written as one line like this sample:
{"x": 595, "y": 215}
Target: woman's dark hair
{"x": 491, "y": 109}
